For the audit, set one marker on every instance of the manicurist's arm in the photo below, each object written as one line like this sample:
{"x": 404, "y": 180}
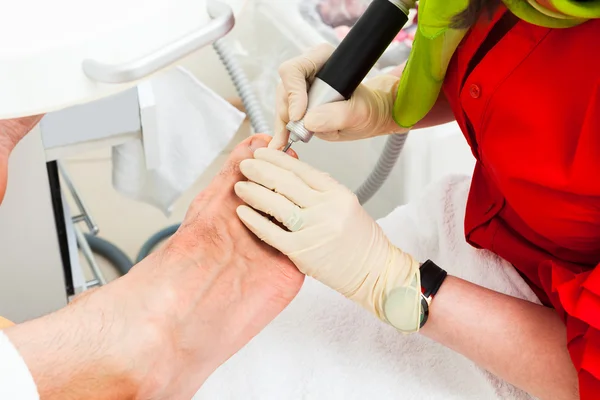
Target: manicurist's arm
{"x": 441, "y": 113}
{"x": 331, "y": 237}
{"x": 519, "y": 341}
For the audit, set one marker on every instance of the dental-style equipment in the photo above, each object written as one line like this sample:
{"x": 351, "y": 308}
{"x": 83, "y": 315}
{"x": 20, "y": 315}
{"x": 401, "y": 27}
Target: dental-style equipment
{"x": 354, "y": 58}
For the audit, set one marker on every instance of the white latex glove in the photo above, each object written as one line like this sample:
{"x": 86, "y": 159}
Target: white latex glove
{"x": 368, "y": 113}
{"x": 330, "y": 237}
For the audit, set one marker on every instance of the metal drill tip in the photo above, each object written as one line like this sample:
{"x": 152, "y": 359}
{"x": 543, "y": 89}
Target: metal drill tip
{"x": 287, "y": 146}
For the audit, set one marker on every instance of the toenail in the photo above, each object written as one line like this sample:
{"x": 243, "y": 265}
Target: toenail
{"x": 257, "y": 143}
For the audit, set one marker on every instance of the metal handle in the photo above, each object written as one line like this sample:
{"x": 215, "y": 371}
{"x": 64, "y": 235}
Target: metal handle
{"x": 89, "y": 256}
{"x": 85, "y": 214}
{"x": 222, "y": 22}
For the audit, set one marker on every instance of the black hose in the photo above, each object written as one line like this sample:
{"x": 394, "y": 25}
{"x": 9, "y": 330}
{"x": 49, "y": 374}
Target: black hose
{"x": 154, "y": 240}
{"x": 110, "y": 252}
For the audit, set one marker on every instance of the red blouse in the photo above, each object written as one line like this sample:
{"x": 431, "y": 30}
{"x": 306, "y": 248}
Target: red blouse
{"x": 530, "y": 110}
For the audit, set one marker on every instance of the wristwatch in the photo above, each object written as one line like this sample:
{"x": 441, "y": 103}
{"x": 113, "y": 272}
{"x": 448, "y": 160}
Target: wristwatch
{"x": 432, "y": 278}
{"x": 406, "y": 308}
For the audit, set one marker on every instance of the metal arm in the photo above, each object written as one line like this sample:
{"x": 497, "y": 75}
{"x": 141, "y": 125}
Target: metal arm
{"x": 222, "y": 22}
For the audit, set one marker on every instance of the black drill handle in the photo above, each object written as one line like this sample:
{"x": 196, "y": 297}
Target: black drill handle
{"x": 363, "y": 46}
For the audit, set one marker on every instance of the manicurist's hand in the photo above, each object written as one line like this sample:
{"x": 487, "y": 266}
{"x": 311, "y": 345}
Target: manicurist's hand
{"x": 327, "y": 234}
{"x": 368, "y": 113}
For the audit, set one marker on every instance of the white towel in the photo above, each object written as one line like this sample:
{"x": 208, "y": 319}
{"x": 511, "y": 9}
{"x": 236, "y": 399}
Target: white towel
{"x": 325, "y": 347}
{"x": 186, "y": 127}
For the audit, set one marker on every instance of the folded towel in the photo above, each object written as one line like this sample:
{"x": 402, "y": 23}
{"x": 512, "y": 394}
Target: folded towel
{"x": 325, "y": 347}
{"x": 186, "y": 126}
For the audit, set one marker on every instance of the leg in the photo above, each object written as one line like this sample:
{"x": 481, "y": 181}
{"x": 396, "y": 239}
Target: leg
{"x": 162, "y": 329}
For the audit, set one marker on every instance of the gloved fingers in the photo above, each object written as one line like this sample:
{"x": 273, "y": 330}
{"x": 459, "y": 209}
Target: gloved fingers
{"x": 314, "y": 178}
{"x": 262, "y": 199}
{"x": 383, "y": 83}
{"x": 281, "y": 134}
{"x": 264, "y": 229}
{"x": 333, "y": 136}
{"x": 295, "y": 75}
{"x": 333, "y": 117}
{"x": 280, "y": 180}
{"x": 282, "y": 103}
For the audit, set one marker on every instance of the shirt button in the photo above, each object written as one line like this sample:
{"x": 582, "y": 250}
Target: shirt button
{"x": 475, "y": 91}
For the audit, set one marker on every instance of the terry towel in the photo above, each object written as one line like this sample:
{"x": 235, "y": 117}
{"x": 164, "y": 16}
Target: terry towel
{"x": 323, "y": 346}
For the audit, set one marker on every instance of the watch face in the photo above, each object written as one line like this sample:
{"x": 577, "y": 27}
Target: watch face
{"x": 402, "y": 309}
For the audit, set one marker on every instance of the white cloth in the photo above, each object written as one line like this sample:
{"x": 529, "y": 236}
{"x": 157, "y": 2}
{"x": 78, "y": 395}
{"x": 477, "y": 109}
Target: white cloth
{"x": 187, "y": 128}
{"x": 16, "y": 381}
{"x": 323, "y": 346}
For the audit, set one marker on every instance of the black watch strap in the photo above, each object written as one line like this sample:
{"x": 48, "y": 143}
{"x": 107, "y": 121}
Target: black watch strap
{"x": 432, "y": 278}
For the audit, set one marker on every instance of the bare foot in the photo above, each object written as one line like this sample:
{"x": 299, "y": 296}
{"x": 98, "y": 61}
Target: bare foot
{"x": 161, "y": 330}
{"x": 215, "y": 262}
{"x": 11, "y": 132}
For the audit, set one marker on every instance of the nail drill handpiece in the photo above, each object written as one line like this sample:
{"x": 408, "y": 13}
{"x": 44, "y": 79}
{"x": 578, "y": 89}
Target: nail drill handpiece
{"x": 354, "y": 58}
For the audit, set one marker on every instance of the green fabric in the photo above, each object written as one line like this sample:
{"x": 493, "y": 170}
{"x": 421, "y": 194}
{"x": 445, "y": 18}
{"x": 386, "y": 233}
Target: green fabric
{"x": 433, "y": 47}
{"x": 435, "y": 43}
{"x": 589, "y": 9}
{"x": 528, "y": 13}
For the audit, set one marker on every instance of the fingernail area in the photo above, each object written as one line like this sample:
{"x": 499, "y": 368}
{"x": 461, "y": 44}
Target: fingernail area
{"x": 257, "y": 143}
{"x": 239, "y": 211}
{"x": 239, "y": 187}
{"x": 263, "y": 151}
{"x": 246, "y": 166}
{"x": 242, "y": 212}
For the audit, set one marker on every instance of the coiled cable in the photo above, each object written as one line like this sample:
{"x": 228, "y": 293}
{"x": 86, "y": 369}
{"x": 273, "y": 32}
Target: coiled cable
{"x": 242, "y": 85}
{"x": 385, "y": 164}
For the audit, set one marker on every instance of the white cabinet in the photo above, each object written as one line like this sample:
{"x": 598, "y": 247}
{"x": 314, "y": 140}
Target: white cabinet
{"x": 59, "y": 53}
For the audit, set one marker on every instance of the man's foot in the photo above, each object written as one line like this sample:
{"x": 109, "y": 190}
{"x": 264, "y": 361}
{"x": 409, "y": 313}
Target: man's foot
{"x": 214, "y": 263}
{"x": 161, "y": 330}
{"x": 11, "y": 133}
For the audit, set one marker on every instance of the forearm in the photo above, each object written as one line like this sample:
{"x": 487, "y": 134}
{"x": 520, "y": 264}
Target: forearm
{"x": 108, "y": 343}
{"x": 441, "y": 113}
{"x": 66, "y": 357}
{"x": 519, "y": 341}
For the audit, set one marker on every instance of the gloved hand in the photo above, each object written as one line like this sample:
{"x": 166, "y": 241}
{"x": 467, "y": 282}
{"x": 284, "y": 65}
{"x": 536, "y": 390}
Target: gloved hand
{"x": 331, "y": 237}
{"x": 368, "y": 112}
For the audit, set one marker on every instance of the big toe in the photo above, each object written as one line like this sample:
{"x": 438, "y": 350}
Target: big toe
{"x": 230, "y": 172}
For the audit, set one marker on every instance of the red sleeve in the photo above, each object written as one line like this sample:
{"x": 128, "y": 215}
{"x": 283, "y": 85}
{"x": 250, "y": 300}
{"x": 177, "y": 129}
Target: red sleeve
{"x": 576, "y": 296}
